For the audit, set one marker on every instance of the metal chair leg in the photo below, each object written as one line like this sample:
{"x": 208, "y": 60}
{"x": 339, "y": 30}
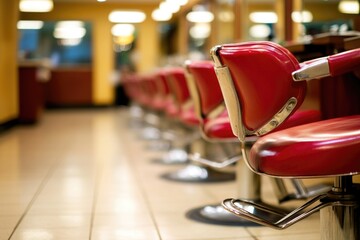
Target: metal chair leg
{"x": 339, "y": 211}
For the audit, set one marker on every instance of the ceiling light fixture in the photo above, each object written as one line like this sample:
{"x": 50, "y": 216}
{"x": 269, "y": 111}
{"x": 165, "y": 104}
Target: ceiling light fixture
{"x": 69, "y": 30}
{"x": 349, "y": 7}
{"x": 260, "y": 31}
{"x": 169, "y": 7}
{"x": 200, "y": 31}
{"x": 263, "y": 17}
{"x": 177, "y": 2}
{"x": 123, "y": 29}
{"x": 127, "y": 16}
{"x": 161, "y": 16}
{"x": 200, "y": 16}
{"x": 302, "y": 16}
{"x": 36, "y": 5}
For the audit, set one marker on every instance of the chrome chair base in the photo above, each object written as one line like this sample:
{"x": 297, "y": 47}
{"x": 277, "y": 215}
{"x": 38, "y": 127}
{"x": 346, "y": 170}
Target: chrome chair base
{"x": 339, "y": 213}
{"x": 303, "y": 193}
{"x": 173, "y": 156}
{"x": 197, "y": 174}
{"x": 217, "y": 215}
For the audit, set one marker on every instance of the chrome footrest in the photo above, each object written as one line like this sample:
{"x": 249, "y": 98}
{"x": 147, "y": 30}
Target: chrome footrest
{"x": 306, "y": 192}
{"x": 214, "y": 163}
{"x": 195, "y": 173}
{"x": 271, "y": 216}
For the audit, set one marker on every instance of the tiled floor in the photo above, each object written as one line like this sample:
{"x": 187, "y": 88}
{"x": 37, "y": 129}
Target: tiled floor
{"x": 84, "y": 174}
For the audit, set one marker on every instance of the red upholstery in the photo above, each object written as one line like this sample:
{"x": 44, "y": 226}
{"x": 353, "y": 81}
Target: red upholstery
{"x": 260, "y": 71}
{"x": 161, "y": 90}
{"x": 207, "y": 85}
{"x": 219, "y": 127}
{"x": 172, "y": 109}
{"x": 300, "y": 117}
{"x": 344, "y": 62}
{"x": 177, "y": 84}
{"x": 189, "y": 117}
{"x": 178, "y": 87}
{"x": 211, "y": 96}
{"x": 323, "y": 148}
{"x": 329, "y": 147}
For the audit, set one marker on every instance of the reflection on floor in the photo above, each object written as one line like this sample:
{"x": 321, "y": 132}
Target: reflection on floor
{"x": 85, "y": 174}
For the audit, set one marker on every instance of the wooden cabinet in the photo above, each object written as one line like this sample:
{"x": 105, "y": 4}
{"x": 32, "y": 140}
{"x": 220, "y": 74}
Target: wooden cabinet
{"x": 32, "y": 75}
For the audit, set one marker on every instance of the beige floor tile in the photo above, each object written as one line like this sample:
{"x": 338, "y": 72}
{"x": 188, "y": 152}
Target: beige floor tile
{"x": 123, "y": 220}
{"x": 81, "y": 173}
{"x": 55, "y": 221}
{"x": 5, "y": 233}
{"x": 309, "y": 225}
{"x": 192, "y": 230}
{"x": 309, "y": 236}
{"x": 34, "y": 233}
{"x": 124, "y": 233}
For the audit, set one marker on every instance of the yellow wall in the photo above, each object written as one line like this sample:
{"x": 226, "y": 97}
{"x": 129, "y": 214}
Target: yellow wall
{"x": 103, "y": 55}
{"x": 8, "y": 60}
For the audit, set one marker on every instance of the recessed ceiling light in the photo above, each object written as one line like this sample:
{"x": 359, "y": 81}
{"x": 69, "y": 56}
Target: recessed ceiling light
{"x": 159, "y": 15}
{"x": 36, "y": 5}
{"x": 69, "y": 30}
{"x": 127, "y": 16}
{"x": 263, "y": 17}
{"x": 349, "y": 7}
{"x": 200, "y": 16}
{"x": 122, "y": 29}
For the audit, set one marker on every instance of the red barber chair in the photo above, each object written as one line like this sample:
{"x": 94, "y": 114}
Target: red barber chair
{"x": 194, "y": 171}
{"x": 263, "y": 84}
{"x": 133, "y": 92}
{"x": 216, "y": 128}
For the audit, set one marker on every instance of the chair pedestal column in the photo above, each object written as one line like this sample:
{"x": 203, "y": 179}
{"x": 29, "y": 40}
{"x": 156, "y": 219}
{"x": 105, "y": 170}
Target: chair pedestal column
{"x": 248, "y": 183}
{"x": 340, "y": 223}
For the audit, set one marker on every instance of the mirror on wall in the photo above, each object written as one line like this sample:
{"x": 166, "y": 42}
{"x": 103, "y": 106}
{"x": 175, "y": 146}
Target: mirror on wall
{"x": 64, "y": 43}
{"x": 200, "y": 28}
{"x": 224, "y": 22}
{"x": 261, "y": 19}
{"x": 334, "y": 19}
{"x": 124, "y": 37}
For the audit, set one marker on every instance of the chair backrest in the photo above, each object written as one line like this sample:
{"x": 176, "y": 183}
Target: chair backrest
{"x": 162, "y": 88}
{"x": 207, "y": 86}
{"x": 177, "y": 84}
{"x": 257, "y": 85}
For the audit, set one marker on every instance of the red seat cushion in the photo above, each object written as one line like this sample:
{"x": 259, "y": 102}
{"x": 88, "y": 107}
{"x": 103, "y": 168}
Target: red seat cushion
{"x": 172, "y": 109}
{"x": 325, "y": 148}
{"x": 219, "y": 128}
{"x": 300, "y": 117}
{"x": 189, "y": 117}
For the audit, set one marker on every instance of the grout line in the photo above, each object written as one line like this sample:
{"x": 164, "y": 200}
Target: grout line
{"x": 33, "y": 199}
{"x": 251, "y": 234}
{"x": 95, "y": 199}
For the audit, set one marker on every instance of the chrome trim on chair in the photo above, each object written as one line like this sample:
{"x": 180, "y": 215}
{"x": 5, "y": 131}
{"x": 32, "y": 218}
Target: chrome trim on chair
{"x": 214, "y": 55}
{"x": 217, "y": 111}
{"x": 195, "y": 96}
{"x": 196, "y": 157}
{"x": 233, "y": 106}
{"x": 339, "y": 211}
{"x": 271, "y": 217}
{"x": 278, "y": 118}
{"x": 312, "y": 70}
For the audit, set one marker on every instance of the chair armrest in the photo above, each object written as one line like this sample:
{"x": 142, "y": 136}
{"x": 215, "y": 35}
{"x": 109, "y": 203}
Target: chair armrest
{"x": 333, "y": 65}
